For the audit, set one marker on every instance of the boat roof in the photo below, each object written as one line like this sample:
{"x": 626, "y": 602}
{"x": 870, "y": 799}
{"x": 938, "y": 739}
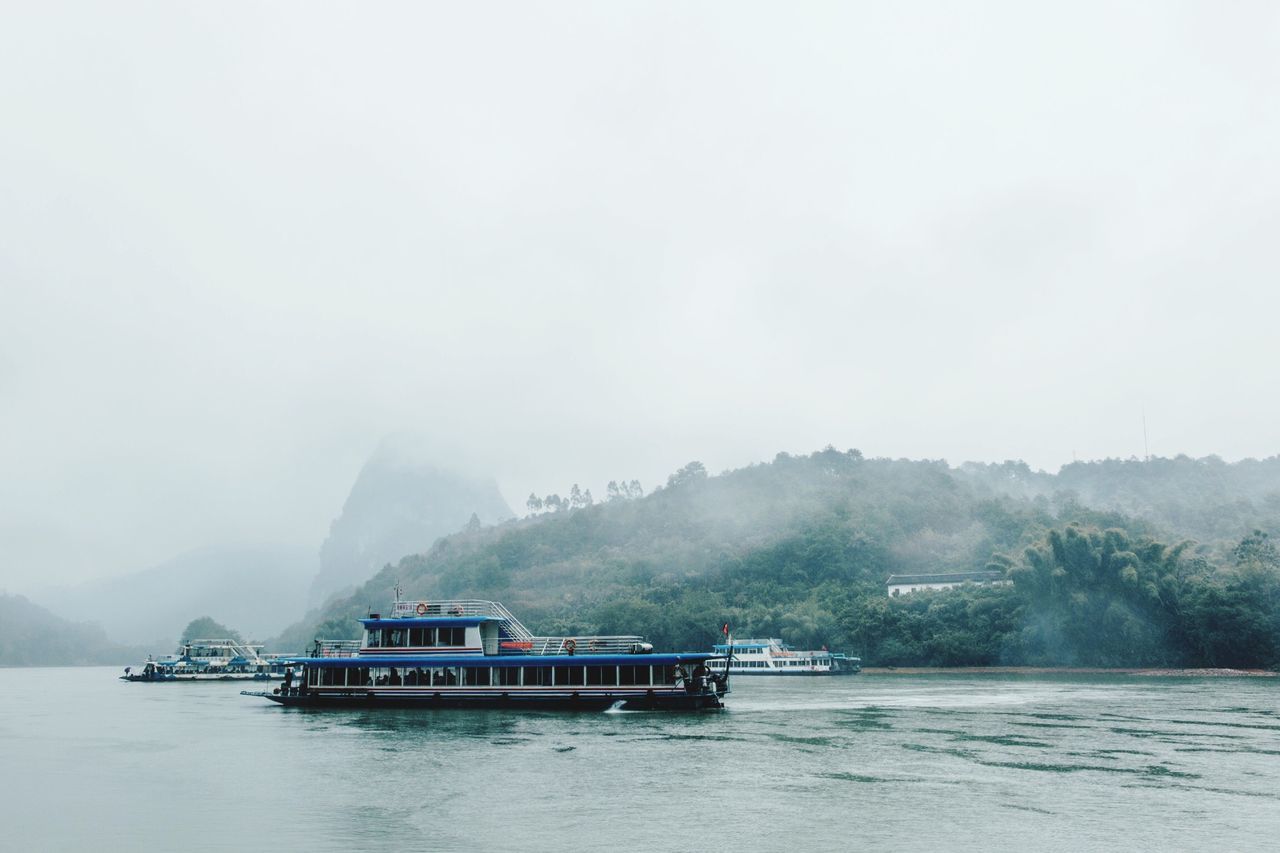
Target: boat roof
{"x": 427, "y": 621}
{"x": 510, "y": 660}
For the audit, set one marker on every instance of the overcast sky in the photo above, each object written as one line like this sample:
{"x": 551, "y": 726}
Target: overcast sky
{"x": 582, "y": 241}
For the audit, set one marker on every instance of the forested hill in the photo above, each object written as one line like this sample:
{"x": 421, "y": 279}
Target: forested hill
{"x": 800, "y": 548}
{"x": 1206, "y": 499}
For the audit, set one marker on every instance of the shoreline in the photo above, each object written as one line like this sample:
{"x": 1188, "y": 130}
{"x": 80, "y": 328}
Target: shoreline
{"x": 1149, "y": 672}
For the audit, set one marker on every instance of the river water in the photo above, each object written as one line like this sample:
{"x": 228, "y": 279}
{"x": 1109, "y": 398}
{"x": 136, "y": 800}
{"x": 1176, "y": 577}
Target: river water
{"x": 878, "y": 762}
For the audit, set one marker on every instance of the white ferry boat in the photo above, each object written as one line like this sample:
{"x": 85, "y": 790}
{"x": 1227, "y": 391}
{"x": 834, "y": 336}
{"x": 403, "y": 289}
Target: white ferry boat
{"x": 474, "y": 653}
{"x": 211, "y": 660}
{"x": 774, "y": 657}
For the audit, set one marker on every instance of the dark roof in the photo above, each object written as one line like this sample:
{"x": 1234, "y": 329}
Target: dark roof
{"x": 957, "y": 577}
{"x": 426, "y": 621}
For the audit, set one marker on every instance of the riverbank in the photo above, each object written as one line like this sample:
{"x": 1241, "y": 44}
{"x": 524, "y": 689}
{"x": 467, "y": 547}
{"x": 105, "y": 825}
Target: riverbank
{"x": 1069, "y": 670}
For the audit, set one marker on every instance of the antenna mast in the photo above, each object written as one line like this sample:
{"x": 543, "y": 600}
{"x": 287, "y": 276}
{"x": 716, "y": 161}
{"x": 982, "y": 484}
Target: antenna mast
{"x": 1146, "y": 451}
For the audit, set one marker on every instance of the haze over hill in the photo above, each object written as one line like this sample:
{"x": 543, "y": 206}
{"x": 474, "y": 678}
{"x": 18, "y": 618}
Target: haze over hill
{"x": 404, "y": 498}
{"x": 31, "y": 635}
{"x": 254, "y": 588}
{"x": 920, "y": 229}
{"x": 800, "y": 547}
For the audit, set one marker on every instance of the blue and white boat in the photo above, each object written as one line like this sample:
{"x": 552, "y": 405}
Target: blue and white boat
{"x": 474, "y": 653}
{"x": 771, "y": 656}
{"x": 211, "y": 660}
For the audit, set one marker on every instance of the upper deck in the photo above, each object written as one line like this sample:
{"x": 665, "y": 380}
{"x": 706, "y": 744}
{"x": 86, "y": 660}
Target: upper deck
{"x": 468, "y": 627}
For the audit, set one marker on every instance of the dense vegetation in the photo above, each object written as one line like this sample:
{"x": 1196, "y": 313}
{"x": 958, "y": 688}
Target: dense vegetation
{"x": 207, "y": 628}
{"x": 1101, "y": 571}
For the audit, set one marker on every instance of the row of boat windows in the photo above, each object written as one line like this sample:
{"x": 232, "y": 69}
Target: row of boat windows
{"x": 756, "y": 664}
{"x": 490, "y": 676}
{"x": 390, "y": 638}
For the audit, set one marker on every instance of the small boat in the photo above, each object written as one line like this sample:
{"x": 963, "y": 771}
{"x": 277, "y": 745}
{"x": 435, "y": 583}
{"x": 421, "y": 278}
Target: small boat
{"x": 212, "y": 660}
{"x": 773, "y": 657}
{"x": 474, "y": 653}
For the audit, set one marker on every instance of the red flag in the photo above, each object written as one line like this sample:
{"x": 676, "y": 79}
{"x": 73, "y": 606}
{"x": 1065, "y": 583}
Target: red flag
{"x": 725, "y": 629}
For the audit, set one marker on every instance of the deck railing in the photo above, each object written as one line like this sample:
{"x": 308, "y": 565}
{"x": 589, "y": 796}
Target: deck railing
{"x": 621, "y": 644}
{"x": 335, "y": 648}
{"x": 449, "y": 607}
{"x": 514, "y": 638}
{"x": 513, "y": 628}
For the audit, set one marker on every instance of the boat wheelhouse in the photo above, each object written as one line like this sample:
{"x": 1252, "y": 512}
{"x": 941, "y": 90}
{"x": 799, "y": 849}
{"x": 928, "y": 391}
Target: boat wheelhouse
{"x": 475, "y": 653}
{"x": 211, "y": 660}
{"x": 773, "y": 657}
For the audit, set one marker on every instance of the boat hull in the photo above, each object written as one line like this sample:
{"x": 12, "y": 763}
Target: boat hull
{"x": 793, "y": 673}
{"x": 234, "y": 676}
{"x": 512, "y": 701}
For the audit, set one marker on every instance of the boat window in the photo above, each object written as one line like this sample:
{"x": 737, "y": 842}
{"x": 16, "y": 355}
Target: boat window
{"x": 313, "y": 676}
{"x": 393, "y": 637}
{"x": 329, "y": 677}
{"x": 569, "y": 676}
{"x": 357, "y": 676}
{"x": 633, "y": 675}
{"x": 663, "y": 675}
{"x": 508, "y": 676}
{"x": 444, "y": 676}
{"x": 422, "y": 637}
{"x": 475, "y": 676}
{"x": 451, "y": 636}
{"x": 537, "y": 676}
{"x": 375, "y": 638}
{"x": 395, "y": 680}
{"x": 380, "y": 676}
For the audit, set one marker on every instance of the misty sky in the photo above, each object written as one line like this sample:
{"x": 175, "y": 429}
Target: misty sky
{"x": 582, "y": 241}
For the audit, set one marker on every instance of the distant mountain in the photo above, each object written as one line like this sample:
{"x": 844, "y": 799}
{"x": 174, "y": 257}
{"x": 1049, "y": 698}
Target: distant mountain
{"x": 257, "y": 589}
{"x": 400, "y": 504}
{"x": 32, "y": 636}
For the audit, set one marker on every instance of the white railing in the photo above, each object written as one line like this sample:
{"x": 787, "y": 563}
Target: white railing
{"x": 513, "y": 627}
{"x": 589, "y": 645}
{"x": 515, "y": 637}
{"x": 449, "y": 607}
{"x": 336, "y": 648}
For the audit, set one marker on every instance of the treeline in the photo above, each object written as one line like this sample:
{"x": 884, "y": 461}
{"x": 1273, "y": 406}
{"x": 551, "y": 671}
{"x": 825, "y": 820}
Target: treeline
{"x": 800, "y": 548}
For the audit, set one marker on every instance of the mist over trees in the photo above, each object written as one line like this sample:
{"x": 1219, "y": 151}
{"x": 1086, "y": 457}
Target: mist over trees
{"x": 205, "y": 628}
{"x": 800, "y": 548}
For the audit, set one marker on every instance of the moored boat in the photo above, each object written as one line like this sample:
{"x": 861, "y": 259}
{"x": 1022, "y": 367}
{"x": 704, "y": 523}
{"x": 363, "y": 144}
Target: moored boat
{"x": 771, "y": 656}
{"x": 211, "y": 660}
{"x": 474, "y": 653}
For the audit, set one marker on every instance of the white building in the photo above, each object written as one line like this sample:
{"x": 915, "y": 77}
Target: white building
{"x": 903, "y": 584}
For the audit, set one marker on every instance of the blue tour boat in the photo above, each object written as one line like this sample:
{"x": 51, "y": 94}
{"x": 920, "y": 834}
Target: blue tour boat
{"x": 474, "y": 653}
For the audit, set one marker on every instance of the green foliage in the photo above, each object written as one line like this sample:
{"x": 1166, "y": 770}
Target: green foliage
{"x": 205, "y": 628}
{"x": 800, "y": 548}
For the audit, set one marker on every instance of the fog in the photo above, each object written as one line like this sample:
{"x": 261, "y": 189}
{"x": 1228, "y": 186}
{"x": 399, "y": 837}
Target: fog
{"x": 582, "y": 242}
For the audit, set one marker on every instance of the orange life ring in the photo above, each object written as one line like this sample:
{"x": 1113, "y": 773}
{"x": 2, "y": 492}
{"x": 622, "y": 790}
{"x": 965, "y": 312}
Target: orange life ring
{"x": 570, "y": 645}
{"x": 422, "y": 608}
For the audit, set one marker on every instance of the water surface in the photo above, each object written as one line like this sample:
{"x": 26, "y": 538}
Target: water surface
{"x": 930, "y": 762}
